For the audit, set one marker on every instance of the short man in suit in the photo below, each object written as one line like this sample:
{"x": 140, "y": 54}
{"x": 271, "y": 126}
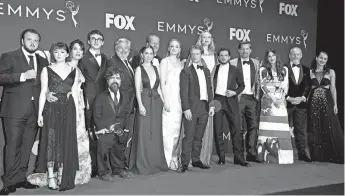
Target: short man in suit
{"x": 93, "y": 65}
{"x": 20, "y": 72}
{"x": 249, "y": 98}
{"x": 110, "y": 111}
{"x": 299, "y": 89}
{"x": 154, "y": 41}
{"x": 228, "y": 84}
{"x": 196, "y": 99}
{"x": 119, "y": 60}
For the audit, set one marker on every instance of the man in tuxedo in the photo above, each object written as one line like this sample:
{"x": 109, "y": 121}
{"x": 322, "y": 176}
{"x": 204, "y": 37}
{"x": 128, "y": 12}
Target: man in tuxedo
{"x": 154, "y": 41}
{"x": 196, "y": 99}
{"x": 119, "y": 60}
{"x": 228, "y": 84}
{"x": 93, "y": 65}
{"x": 249, "y": 98}
{"x": 299, "y": 88}
{"x": 20, "y": 72}
{"x": 110, "y": 112}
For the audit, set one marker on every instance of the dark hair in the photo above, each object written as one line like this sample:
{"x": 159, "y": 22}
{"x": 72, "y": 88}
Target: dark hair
{"x": 244, "y": 43}
{"x": 56, "y": 46}
{"x": 29, "y": 31}
{"x": 94, "y": 32}
{"x": 112, "y": 71}
{"x": 197, "y": 47}
{"x": 71, "y": 45}
{"x": 281, "y": 72}
{"x": 223, "y": 49}
{"x": 148, "y": 38}
{"x": 142, "y": 50}
{"x": 314, "y": 63}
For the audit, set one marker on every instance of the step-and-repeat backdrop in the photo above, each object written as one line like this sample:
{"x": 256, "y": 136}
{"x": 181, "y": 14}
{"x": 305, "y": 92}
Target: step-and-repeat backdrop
{"x": 278, "y": 24}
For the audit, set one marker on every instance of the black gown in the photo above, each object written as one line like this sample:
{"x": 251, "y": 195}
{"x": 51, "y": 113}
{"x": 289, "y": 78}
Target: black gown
{"x": 325, "y": 135}
{"x": 58, "y": 141}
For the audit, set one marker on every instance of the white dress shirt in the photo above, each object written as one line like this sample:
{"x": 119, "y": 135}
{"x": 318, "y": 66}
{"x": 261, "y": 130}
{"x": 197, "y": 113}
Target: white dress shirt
{"x": 222, "y": 79}
{"x": 112, "y": 94}
{"x": 155, "y": 62}
{"x": 98, "y": 58}
{"x": 296, "y": 71}
{"x": 202, "y": 83}
{"x": 247, "y": 78}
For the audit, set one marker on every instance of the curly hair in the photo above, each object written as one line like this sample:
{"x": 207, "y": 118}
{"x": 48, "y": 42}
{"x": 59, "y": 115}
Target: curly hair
{"x": 281, "y": 72}
{"x": 211, "y": 47}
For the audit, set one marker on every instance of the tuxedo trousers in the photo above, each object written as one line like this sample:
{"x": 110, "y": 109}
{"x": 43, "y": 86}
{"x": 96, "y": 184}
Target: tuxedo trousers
{"x": 298, "y": 120}
{"x": 19, "y": 136}
{"x": 193, "y": 133}
{"x": 230, "y": 109}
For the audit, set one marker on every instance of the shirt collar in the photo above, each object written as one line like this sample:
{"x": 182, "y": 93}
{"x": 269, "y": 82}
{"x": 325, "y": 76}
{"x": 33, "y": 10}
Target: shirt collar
{"x": 223, "y": 65}
{"x": 112, "y": 94}
{"x": 291, "y": 64}
{"x": 247, "y": 59}
{"x": 26, "y": 53}
{"x": 93, "y": 52}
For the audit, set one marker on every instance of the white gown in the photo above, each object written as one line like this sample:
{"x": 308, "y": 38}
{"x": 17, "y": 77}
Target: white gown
{"x": 171, "y": 121}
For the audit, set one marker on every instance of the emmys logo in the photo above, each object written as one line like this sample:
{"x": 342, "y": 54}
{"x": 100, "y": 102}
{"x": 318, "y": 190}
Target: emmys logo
{"x": 29, "y": 11}
{"x": 243, "y": 3}
{"x": 185, "y": 28}
{"x": 287, "y": 39}
{"x": 70, "y": 5}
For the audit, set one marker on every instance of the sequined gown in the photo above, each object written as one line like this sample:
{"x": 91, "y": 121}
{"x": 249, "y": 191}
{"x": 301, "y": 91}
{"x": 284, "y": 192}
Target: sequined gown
{"x": 325, "y": 136}
{"x": 150, "y": 156}
{"x": 58, "y": 142}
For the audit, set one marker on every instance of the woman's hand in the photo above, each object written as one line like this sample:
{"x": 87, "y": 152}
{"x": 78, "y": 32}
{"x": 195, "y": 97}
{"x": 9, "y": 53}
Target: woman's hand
{"x": 69, "y": 94}
{"x": 40, "y": 121}
{"x": 142, "y": 110}
{"x": 335, "y": 109}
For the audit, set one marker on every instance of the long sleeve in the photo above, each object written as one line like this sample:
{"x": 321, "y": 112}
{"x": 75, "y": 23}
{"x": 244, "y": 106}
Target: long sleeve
{"x": 6, "y": 75}
{"x": 184, "y": 87}
{"x": 239, "y": 80}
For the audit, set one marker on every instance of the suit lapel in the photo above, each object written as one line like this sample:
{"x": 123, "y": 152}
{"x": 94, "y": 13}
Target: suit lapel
{"x": 252, "y": 72}
{"x": 111, "y": 102}
{"x": 215, "y": 78}
{"x": 24, "y": 61}
{"x": 300, "y": 75}
{"x": 230, "y": 75}
{"x": 102, "y": 67}
{"x": 195, "y": 81}
{"x": 291, "y": 74}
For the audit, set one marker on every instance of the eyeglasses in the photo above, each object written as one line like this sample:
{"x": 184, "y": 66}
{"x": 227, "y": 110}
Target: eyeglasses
{"x": 94, "y": 39}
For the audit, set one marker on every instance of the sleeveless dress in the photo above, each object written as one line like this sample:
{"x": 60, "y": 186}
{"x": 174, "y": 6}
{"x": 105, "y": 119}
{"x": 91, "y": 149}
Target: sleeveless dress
{"x": 58, "y": 142}
{"x": 150, "y": 157}
{"x": 172, "y": 120}
{"x": 325, "y": 135}
{"x": 274, "y": 139}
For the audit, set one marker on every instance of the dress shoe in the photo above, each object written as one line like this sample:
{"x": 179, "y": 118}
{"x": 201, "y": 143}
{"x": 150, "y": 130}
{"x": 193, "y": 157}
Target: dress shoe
{"x": 26, "y": 185}
{"x": 94, "y": 174}
{"x": 7, "y": 190}
{"x": 107, "y": 178}
{"x": 123, "y": 174}
{"x": 182, "y": 169}
{"x": 242, "y": 163}
{"x": 200, "y": 165}
{"x": 221, "y": 162}
{"x": 253, "y": 158}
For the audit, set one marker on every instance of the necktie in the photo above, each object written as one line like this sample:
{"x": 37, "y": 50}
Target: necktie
{"x": 115, "y": 100}
{"x": 296, "y": 65}
{"x": 200, "y": 67}
{"x": 129, "y": 69}
{"x": 244, "y": 62}
{"x": 31, "y": 62}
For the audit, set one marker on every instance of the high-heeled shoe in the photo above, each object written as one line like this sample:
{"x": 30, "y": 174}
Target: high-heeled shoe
{"x": 54, "y": 188}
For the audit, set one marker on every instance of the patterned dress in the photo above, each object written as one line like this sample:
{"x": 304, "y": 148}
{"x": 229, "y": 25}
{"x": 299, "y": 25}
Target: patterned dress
{"x": 274, "y": 139}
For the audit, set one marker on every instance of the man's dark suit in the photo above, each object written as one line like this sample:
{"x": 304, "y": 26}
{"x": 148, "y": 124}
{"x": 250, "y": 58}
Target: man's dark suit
{"x": 94, "y": 83}
{"x": 19, "y": 112}
{"x": 136, "y": 60}
{"x": 105, "y": 114}
{"x": 298, "y": 113}
{"x": 127, "y": 87}
{"x": 190, "y": 99}
{"x": 229, "y": 108}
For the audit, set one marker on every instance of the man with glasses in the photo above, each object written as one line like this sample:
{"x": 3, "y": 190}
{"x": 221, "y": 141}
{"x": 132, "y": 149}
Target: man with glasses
{"x": 119, "y": 60}
{"x": 154, "y": 41}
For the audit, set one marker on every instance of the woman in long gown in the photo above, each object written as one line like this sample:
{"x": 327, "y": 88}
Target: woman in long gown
{"x": 209, "y": 59}
{"x": 274, "y": 140}
{"x": 150, "y": 157}
{"x": 325, "y": 135}
{"x": 170, "y": 68}
{"x": 58, "y": 150}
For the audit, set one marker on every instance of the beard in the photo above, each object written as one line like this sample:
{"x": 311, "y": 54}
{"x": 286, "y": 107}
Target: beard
{"x": 29, "y": 50}
{"x": 114, "y": 87}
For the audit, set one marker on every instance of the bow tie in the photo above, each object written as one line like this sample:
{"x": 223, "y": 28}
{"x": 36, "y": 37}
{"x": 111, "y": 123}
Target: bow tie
{"x": 244, "y": 62}
{"x": 296, "y": 65}
{"x": 200, "y": 67}
{"x": 96, "y": 55}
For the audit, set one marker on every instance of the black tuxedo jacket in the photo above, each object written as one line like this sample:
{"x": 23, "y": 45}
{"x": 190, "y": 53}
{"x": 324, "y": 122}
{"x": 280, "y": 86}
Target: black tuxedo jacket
{"x": 17, "y": 95}
{"x": 190, "y": 88}
{"x": 94, "y": 75}
{"x": 127, "y": 80}
{"x": 298, "y": 88}
{"x": 105, "y": 113}
{"x": 136, "y": 61}
{"x": 235, "y": 79}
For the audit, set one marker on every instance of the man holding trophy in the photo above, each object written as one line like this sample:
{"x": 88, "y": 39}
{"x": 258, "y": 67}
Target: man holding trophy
{"x": 110, "y": 116}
